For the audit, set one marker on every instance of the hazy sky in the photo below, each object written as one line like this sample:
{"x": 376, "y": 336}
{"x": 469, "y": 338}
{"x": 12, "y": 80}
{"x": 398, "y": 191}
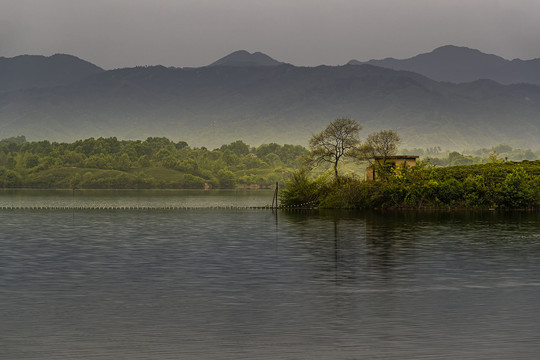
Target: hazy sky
{"x": 120, "y": 33}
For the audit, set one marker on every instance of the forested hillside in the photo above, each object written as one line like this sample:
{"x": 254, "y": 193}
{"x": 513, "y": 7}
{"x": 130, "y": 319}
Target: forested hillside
{"x": 216, "y": 105}
{"x": 135, "y": 164}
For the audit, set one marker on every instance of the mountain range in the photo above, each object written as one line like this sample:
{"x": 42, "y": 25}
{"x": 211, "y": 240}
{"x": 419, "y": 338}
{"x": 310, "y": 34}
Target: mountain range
{"x": 259, "y": 100}
{"x": 461, "y": 64}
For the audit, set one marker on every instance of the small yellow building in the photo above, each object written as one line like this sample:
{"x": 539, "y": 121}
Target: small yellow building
{"x": 394, "y": 161}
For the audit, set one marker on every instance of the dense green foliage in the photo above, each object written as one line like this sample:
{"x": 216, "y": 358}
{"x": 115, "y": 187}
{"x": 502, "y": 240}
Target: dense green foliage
{"x": 499, "y": 153}
{"x": 152, "y": 163}
{"x": 505, "y": 185}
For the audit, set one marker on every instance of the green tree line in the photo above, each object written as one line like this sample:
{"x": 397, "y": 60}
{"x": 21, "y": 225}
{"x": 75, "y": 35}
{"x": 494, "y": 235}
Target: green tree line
{"x": 156, "y": 162}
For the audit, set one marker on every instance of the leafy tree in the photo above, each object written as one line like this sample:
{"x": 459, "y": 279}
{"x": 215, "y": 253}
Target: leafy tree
{"x": 238, "y": 147}
{"x": 266, "y": 149}
{"x": 162, "y": 154}
{"x": 11, "y": 162}
{"x": 102, "y": 161}
{"x": 226, "y": 178}
{"x": 292, "y": 155}
{"x": 273, "y": 160}
{"x": 144, "y": 161}
{"x": 169, "y": 162}
{"x": 3, "y": 158}
{"x": 123, "y": 162}
{"x": 11, "y": 179}
{"x": 75, "y": 180}
{"x": 338, "y": 140}
{"x": 188, "y": 166}
{"x": 31, "y": 161}
{"x": 230, "y": 158}
{"x": 181, "y": 145}
{"x": 72, "y": 158}
{"x": 254, "y": 163}
{"x": 14, "y": 143}
{"x": 157, "y": 143}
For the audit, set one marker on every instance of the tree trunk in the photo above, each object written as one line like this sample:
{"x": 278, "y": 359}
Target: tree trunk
{"x": 336, "y": 172}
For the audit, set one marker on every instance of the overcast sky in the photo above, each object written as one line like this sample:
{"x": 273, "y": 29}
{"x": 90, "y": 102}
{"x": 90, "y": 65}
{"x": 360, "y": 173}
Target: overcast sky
{"x": 121, "y": 33}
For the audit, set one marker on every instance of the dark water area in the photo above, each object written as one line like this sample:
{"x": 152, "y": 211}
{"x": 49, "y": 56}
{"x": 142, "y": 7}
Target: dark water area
{"x": 253, "y": 284}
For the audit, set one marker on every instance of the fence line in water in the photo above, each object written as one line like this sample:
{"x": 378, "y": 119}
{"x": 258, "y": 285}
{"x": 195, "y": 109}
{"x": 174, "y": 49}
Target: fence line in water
{"x": 52, "y": 207}
{"x": 274, "y": 206}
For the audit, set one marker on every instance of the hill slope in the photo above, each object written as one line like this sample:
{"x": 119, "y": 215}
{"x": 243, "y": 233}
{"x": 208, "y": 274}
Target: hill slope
{"x": 214, "y": 105}
{"x": 31, "y": 71}
{"x": 461, "y": 64}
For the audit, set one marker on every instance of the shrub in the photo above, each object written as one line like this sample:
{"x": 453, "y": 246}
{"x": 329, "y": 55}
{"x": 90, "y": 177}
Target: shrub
{"x": 192, "y": 181}
{"x": 516, "y": 191}
{"x": 300, "y": 189}
{"x": 476, "y": 191}
{"x": 226, "y": 178}
{"x": 536, "y": 190}
{"x": 450, "y": 191}
{"x": 10, "y": 178}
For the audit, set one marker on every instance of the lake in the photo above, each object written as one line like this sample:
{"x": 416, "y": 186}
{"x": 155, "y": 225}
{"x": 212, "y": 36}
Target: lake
{"x": 136, "y": 198}
{"x": 203, "y": 283}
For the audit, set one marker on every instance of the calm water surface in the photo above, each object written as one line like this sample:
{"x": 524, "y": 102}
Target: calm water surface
{"x": 250, "y": 284}
{"x": 134, "y": 198}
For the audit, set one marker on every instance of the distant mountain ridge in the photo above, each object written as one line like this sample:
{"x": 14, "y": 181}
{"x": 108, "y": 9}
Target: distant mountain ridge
{"x": 461, "y": 64}
{"x": 244, "y": 58}
{"x": 36, "y": 71}
{"x": 214, "y": 105}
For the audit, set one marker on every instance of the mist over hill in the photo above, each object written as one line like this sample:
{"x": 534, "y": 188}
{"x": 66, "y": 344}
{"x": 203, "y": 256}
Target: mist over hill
{"x": 214, "y": 105}
{"x": 461, "y": 64}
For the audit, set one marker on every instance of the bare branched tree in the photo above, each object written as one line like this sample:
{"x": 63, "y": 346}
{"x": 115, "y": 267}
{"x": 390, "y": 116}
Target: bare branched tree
{"x": 338, "y": 140}
{"x": 380, "y": 145}
{"x": 377, "y": 148}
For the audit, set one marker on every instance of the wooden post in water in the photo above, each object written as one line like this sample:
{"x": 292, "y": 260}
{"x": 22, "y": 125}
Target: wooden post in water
{"x": 277, "y": 191}
{"x": 275, "y": 198}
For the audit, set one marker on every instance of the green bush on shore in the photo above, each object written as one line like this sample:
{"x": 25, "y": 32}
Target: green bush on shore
{"x": 508, "y": 185}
